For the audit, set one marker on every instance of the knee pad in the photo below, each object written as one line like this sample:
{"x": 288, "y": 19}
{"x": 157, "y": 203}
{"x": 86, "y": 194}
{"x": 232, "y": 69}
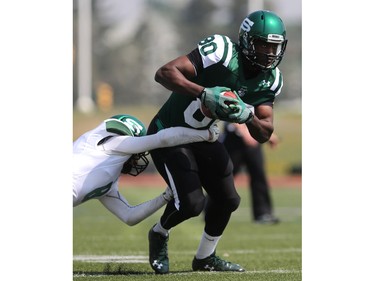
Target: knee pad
{"x": 231, "y": 204}
{"x": 193, "y": 208}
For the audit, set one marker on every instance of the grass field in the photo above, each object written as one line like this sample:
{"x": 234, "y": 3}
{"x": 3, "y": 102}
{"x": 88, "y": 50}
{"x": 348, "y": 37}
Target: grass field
{"x": 106, "y": 249}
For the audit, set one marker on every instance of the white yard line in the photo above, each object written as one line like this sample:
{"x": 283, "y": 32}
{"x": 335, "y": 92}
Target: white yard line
{"x": 144, "y": 258}
{"x": 114, "y": 259}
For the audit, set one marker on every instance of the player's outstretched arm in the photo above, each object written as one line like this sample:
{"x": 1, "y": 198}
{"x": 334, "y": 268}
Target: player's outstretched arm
{"x": 164, "y": 138}
{"x": 131, "y": 214}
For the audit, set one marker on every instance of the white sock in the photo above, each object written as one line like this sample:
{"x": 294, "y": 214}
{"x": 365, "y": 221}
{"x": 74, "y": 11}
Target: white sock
{"x": 159, "y": 229}
{"x": 207, "y": 245}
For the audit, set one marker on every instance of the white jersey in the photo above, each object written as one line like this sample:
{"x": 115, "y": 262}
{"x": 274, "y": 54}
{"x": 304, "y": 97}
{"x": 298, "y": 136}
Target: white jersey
{"x": 97, "y": 167}
{"x": 94, "y": 170}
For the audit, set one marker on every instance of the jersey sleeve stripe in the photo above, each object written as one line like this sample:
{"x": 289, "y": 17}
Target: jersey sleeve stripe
{"x": 276, "y": 82}
{"x": 227, "y": 51}
{"x": 279, "y": 91}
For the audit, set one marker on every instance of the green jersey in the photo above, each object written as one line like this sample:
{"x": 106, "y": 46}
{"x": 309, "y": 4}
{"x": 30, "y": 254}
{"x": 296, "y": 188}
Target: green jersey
{"x": 222, "y": 66}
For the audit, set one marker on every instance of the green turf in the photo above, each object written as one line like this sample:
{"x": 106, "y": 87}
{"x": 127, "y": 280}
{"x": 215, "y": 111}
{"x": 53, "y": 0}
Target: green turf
{"x": 268, "y": 253}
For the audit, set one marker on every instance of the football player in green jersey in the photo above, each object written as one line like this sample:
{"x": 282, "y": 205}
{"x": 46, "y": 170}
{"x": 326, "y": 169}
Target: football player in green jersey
{"x": 217, "y": 64}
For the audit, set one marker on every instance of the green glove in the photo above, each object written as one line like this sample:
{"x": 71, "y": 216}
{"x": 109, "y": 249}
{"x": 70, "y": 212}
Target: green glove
{"x": 241, "y": 113}
{"x": 214, "y": 101}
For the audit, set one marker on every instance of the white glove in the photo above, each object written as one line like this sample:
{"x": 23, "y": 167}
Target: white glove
{"x": 168, "y": 194}
{"x": 214, "y": 132}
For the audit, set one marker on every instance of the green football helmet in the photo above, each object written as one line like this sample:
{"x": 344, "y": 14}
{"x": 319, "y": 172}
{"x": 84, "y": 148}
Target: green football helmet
{"x": 123, "y": 124}
{"x": 262, "y": 39}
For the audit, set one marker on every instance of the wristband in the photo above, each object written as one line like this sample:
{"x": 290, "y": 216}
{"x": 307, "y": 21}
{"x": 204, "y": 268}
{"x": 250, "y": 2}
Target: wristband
{"x": 251, "y": 117}
{"x": 201, "y": 93}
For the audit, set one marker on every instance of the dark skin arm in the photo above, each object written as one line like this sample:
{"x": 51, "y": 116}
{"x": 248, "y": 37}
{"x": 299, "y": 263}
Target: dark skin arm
{"x": 175, "y": 77}
{"x": 261, "y": 126}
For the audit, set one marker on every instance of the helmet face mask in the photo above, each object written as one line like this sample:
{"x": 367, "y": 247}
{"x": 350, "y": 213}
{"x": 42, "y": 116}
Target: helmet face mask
{"x": 135, "y": 164}
{"x": 262, "y": 39}
{"x": 264, "y": 54}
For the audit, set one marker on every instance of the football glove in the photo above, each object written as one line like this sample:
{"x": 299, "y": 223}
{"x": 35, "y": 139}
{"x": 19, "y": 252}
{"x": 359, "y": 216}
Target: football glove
{"x": 241, "y": 113}
{"x": 214, "y": 101}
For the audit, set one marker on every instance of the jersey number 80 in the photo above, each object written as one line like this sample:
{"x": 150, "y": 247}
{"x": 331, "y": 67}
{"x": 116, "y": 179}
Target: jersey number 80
{"x": 208, "y": 46}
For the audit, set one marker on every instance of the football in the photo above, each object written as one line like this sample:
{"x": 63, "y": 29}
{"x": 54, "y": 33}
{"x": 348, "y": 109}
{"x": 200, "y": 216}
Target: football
{"x": 206, "y": 112}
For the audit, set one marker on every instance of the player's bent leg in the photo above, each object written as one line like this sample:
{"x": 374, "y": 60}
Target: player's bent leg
{"x": 218, "y": 213}
{"x": 158, "y": 243}
{"x": 222, "y": 200}
{"x": 181, "y": 173}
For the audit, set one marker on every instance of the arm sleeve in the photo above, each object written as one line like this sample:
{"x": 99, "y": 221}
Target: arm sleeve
{"x": 164, "y": 138}
{"x": 196, "y": 59}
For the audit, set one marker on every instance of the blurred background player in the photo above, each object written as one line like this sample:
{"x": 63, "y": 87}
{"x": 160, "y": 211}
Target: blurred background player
{"x": 119, "y": 146}
{"x": 216, "y": 65}
{"x": 245, "y": 151}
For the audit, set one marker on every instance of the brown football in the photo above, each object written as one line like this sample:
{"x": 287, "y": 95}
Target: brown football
{"x": 206, "y": 112}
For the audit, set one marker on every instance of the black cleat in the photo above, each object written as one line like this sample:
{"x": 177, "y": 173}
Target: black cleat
{"x": 158, "y": 252}
{"x": 214, "y": 263}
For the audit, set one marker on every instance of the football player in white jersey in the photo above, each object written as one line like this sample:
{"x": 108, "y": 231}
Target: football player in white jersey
{"x": 119, "y": 145}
